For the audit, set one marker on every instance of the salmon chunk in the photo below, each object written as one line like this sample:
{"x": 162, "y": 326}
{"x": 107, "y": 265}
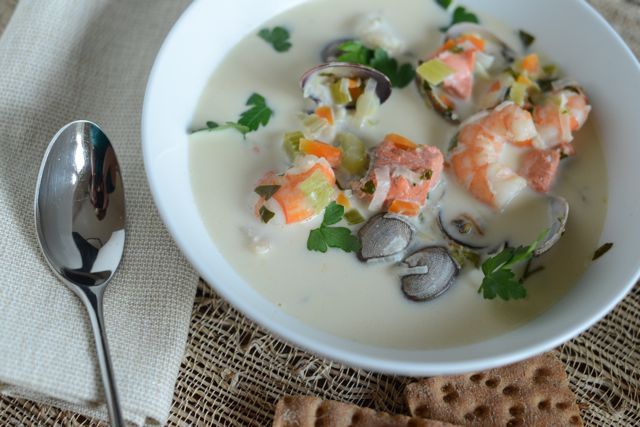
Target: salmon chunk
{"x": 539, "y": 167}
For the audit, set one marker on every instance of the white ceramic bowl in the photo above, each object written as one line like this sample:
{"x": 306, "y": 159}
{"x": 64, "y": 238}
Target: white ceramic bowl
{"x": 569, "y": 30}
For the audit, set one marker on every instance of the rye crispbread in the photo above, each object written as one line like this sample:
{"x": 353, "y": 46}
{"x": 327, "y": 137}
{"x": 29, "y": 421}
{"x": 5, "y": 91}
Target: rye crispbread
{"x": 534, "y": 392}
{"x": 309, "y": 411}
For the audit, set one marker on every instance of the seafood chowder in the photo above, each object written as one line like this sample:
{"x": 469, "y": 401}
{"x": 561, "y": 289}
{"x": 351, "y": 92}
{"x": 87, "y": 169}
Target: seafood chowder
{"x": 383, "y": 171}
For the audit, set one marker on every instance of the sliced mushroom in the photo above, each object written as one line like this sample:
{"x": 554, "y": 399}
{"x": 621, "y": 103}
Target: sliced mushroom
{"x": 312, "y": 80}
{"x": 441, "y": 271}
{"x": 384, "y": 237}
{"x": 559, "y": 212}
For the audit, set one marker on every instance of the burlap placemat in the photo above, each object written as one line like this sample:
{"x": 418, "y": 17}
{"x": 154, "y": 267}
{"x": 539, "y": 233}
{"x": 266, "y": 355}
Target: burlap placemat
{"x": 233, "y": 371}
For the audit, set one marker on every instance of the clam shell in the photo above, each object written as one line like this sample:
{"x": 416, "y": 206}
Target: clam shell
{"x": 345, "y": 69}
{"x": 384, "y": 238}
{"x": 559, "y": 212}
{"x": 441, "y": 273}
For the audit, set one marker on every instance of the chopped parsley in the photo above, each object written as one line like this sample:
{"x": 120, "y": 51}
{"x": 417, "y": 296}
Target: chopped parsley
{"x": 444, "y": 3}
{"x": 265, "y": 214}
{"x": 601, "y": 251}
{"x": 250, "y": 120}
{"x": 427, "y": 175}
{"x": 277, "y": 37}
{"x": 266, "y": 191}
{"x": 526, "y": 38}
{"x": 461, "y": 14}
{"x": 324, "y": 237}
{"x": 369, "y": 187}
{"x": 355, "y": 52}
{"x": 499, "y": 278}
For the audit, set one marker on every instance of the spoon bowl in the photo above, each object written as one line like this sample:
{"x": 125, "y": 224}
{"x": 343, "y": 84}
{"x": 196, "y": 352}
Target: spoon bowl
{"x": 80, "y": 223}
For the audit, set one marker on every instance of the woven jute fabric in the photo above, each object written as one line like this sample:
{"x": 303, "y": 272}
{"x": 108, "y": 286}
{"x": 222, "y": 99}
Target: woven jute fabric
{"x": 233, "y": 371}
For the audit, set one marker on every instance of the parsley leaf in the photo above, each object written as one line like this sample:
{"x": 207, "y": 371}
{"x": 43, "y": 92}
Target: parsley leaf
{"x": 499, "y": 278}
{"x": 266, "y": 191}
{"x": 444, "y": 3}
{"x": 333, "y": 214}
{"x": 461, "y": 14}
{"x": 601, "y": 251}
{"x": 278, "y": 37}
{"x": 258, "y": 114}
{"x": 324, "y": 237}
{"x": 213, "y": 126}
{"x": 355, "y": 52}
{"x": 526, "y": 38}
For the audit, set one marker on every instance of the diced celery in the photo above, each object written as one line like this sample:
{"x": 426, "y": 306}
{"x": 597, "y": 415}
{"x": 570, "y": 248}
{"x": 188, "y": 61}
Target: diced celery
{"x": 291, "y": 143}
{"x": 434, "y": 71}
{"x": 340, "y": 92}
{"x": 353, "y": 217}
{"x": 550, "y": 70}
{"x": 313, "y": 126}
{"x": 518, "y": 93}
{"x": 354, "y": 155}
{"x": 318, "y": 190}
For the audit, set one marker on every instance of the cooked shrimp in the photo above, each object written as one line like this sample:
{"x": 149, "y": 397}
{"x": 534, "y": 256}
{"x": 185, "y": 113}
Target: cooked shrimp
{"x": 402, "y": 172}
{"x": 301, "y": 193}
{"x": 477, "y": 159}
{"x": 561, "y": 113}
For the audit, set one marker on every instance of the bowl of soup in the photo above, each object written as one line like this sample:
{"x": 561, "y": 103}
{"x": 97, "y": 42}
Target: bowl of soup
{"x": 401, "y": 187}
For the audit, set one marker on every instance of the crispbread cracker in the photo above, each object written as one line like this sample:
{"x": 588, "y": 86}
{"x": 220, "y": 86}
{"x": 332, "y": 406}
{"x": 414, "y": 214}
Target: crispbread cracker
{"x": 534, "y": 392}
{"x": 309, "y": 411}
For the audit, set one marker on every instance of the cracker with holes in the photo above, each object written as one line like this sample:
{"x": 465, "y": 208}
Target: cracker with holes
{"x": 303, "y": 411}
{"x": 534, "y": 392}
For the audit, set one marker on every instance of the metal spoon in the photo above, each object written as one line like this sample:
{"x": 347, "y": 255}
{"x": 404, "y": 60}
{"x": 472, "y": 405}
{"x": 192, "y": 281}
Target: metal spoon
{"x": 80, "y": 220}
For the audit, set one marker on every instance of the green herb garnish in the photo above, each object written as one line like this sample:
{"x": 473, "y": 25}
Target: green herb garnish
{"x": 355, "y": 52}
{"x": 278, "y": 37}
{"x": 601, "y": 251}
{"x": 265, "y": 214}
{"x": 444, "y": 3}
{"x": 400, "y": 75}
{"x": 213, "y": 126}
{"x": 461, "y": 14}
{"x": 369, "y": 187}
{"x": 526, "y": 38}
{"x": 258, "y": 114}
{"x": 499, "y": 278}
{"x": 353, "y": 217}
{"x": 427, "y": 174}
{"x": 324, "y": 237}
{"x": 266, "y": 191}
{"x": 250, "y": 120}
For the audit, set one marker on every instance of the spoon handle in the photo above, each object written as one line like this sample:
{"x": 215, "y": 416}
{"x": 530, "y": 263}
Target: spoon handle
{"x": 92, "y": 298}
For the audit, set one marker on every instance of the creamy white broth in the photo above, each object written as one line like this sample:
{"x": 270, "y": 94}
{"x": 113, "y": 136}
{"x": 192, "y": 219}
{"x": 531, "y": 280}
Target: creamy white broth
{"x": 334, "y": 291}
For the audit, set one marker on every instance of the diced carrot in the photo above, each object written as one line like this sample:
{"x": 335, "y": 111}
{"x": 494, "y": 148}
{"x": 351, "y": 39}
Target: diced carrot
{"x": 474, "y": 40}
{"x": 343, "y": 200}
{"x": 446, "y": 101}
{"x": 354, "y": 83}
{"x": 326, "y": 113}
{"x": 530, "y": 63}
{"x": 321, "y": 149}
{"x": 400, "y": 141}
{"x": 495, "y": 86}
{"x": 447, "y": 45}
{"x": 404, "y": 208}
{"x": 355, "y": 92}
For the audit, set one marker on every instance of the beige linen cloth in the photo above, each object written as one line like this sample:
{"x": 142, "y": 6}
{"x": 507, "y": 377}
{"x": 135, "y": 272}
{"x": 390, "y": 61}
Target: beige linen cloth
{"x": 62, "y": 60}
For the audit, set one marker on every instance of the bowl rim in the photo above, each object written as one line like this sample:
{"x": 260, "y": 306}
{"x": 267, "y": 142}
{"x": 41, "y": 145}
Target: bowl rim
{"x": 387, "y": 363}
